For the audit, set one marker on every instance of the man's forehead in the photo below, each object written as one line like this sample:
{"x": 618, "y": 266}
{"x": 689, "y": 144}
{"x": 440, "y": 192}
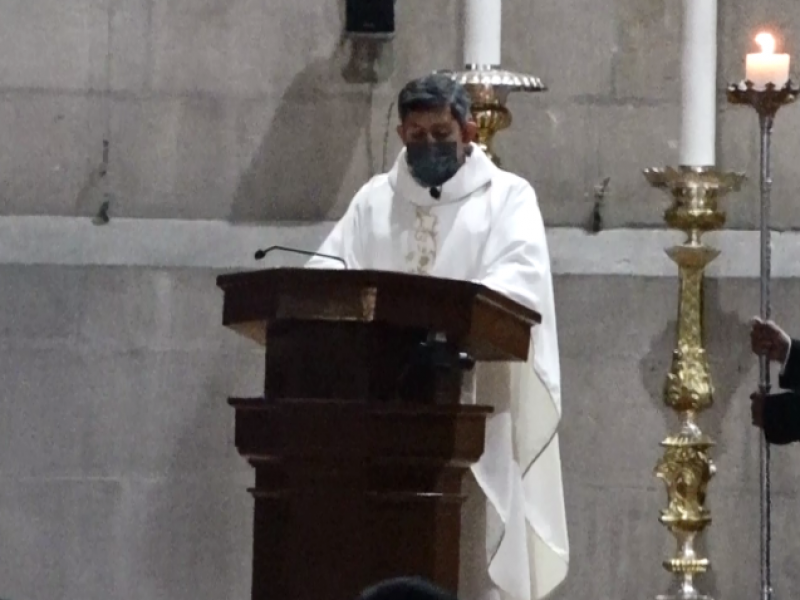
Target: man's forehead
{"x": 428, "y": 118}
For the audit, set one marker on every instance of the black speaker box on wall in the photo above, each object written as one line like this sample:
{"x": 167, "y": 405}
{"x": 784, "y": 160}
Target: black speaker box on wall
{"x": 370, "y": 17}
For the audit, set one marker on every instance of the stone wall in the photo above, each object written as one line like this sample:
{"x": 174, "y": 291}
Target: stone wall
{"x": 120, "y": 477}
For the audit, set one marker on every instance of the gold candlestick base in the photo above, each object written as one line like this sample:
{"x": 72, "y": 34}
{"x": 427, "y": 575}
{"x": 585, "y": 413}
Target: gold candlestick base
{"x": 489, "y": 88}
{"x": 686, "y": 467}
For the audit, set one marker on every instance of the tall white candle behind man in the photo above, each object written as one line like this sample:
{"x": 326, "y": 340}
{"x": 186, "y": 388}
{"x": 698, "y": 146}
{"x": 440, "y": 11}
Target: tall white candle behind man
{"x": 699, "y": 83}
{"x": 482, "y": 32}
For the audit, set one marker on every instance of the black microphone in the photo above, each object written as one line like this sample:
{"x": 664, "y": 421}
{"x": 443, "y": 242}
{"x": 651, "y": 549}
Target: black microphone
{"x": 262, "y": 253}
{"x": 436, "y": 193}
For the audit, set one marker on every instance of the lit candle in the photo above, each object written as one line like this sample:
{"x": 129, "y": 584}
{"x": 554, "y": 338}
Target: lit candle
{"x": 482, "y": 32}
{"x": 698, "y": 84}
{"x": 766, "y": 66}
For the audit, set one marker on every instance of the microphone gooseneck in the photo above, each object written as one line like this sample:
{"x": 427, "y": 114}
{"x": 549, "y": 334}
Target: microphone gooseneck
{"x": 260, "y": 254}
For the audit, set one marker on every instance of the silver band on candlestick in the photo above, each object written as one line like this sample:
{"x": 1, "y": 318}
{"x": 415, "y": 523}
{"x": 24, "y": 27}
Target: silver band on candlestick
{"x": 766, "y": 103}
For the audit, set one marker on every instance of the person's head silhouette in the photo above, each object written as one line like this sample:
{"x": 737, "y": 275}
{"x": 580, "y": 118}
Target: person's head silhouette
{"x": 406, "y": 588}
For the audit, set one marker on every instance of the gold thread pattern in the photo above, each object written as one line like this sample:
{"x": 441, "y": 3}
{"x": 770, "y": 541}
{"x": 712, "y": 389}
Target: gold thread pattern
{"x": 422, "y": 256}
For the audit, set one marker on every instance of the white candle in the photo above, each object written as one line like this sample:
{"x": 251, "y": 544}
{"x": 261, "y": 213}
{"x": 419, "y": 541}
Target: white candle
{"x": 766, "y": 66}
{"x": 482, "y": 32}
{"x": 699, "y": 83}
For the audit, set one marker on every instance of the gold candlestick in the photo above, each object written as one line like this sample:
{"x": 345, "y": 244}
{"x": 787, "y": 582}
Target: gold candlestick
{"x": 686, "y": 466}
{"x": 489, "y": 88}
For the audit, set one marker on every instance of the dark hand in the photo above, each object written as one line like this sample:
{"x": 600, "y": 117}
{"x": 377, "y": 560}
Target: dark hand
{"x": 757, "y": 400}
{"x": 767, "y": 339}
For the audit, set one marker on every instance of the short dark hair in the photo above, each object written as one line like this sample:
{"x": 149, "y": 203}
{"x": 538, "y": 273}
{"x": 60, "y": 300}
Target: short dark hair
{"x": 435, "y": 92}
{"x": 406, "y": 588}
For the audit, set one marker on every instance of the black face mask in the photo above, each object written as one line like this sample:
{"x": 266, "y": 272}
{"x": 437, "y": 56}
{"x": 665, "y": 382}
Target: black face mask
{"x": 431, "y": 164}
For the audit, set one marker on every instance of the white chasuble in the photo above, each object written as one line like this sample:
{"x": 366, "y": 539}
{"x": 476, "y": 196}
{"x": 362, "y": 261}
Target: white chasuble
{"x": 485, "y": 227}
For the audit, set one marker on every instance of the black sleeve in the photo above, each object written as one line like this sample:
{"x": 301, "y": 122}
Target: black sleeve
{"x": 790, "y": 379}
{"x": 782, "y": 418}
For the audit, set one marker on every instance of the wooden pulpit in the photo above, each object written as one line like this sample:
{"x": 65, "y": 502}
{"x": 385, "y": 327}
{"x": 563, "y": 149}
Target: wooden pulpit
{"x": 360, "y": 442}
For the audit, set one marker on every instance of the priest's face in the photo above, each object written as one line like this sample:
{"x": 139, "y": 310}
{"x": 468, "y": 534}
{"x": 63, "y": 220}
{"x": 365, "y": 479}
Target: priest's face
{"x": 438, "y": 125}
{"x": 435, "y": 143}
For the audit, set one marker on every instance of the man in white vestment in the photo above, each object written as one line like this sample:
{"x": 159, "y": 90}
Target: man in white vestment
{"x": 446, "y": 210}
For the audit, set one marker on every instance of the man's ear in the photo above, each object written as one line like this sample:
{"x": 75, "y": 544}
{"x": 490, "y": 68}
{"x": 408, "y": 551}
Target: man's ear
{"x": 470, "y": 132}
{"x": 400, "y": 132}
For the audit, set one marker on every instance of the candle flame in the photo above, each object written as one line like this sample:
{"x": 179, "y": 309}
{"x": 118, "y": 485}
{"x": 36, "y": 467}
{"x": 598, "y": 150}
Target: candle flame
{"x": 766, "y": 41}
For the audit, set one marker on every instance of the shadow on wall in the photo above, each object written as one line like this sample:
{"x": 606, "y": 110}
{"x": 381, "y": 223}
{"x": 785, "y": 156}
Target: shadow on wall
{"x": 301, "y": 163}
{"x": 729, "y": 355}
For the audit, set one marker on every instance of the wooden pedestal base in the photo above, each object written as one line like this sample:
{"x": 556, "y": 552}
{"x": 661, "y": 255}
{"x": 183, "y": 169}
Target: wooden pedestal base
{"x": 348, "y": 494}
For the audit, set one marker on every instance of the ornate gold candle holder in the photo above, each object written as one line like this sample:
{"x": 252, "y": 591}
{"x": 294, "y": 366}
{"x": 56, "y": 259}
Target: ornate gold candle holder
{"x": 489, "y": 88}
{"x": 686, "y": 466}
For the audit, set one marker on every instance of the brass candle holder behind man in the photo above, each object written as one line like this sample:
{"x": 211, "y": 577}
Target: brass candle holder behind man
{"x": 489, "y": 88}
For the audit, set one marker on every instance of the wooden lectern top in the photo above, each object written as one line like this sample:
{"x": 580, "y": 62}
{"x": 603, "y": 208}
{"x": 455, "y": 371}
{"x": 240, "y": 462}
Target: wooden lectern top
{"x": 481, "y": 321}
